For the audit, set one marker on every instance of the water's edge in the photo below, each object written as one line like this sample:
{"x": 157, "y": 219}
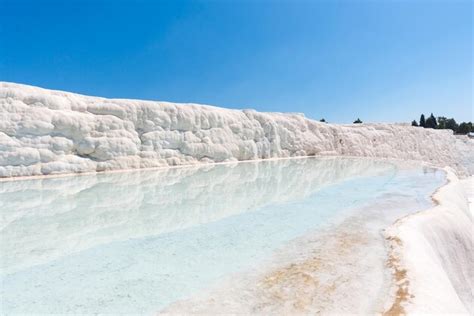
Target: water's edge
{"x": 419, "y": 242}
{"x": 210, "y": 164}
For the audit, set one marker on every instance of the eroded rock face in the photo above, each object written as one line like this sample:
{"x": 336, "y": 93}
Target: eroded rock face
{"x": 49, "y": 132}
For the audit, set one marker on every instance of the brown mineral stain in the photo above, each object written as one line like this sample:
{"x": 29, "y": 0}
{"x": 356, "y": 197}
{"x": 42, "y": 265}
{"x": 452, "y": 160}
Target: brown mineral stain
{"x": 298, "y": 282}
{"x": 402, "y": 294}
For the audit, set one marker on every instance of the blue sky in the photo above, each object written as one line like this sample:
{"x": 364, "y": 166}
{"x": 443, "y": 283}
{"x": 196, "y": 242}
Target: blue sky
{"x": 377, "y": 60}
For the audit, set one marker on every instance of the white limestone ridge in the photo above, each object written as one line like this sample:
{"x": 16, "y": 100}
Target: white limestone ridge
{"x": 432, "y": 254}
{"x": 51, "y": 132}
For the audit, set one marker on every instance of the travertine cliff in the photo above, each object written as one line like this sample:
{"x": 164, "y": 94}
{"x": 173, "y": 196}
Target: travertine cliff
{"x": 49, "y": 132}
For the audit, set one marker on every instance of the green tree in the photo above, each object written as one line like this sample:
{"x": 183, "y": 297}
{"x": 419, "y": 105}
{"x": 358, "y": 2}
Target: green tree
{"x": 431, "y": 122}
{"x": 358, "y": 121}
{"x": 441, "y": 122}
{"x": 451, "y": 124}
{"x": 414, "y": 123}
{"x": 464, "y": 128}
{"x": 422, "y": 120}
{"x": 322, "y": 120}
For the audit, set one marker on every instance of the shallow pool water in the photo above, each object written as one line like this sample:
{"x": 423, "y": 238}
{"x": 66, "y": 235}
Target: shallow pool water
{"x": 135, "y": 242}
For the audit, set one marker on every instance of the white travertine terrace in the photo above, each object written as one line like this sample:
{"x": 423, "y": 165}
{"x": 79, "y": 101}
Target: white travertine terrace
{"x": 51, "y": 132}
{"x": 46, "y": 132}
{"x": 434, "y": 251}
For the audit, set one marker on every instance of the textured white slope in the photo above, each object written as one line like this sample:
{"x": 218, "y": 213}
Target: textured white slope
{"x": 434, "y": 252}
{"x": 49, "y": 132}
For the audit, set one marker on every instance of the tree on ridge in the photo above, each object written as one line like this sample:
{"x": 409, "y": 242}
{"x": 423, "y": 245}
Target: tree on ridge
{"x": 422, "y": 120}
{"x": 431, "y": 122}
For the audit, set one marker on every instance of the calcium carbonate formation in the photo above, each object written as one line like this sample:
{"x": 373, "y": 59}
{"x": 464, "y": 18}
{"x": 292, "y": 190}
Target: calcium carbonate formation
{"x": 51, "y": 132}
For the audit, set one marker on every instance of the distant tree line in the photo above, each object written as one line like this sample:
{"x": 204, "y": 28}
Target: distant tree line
{"x": 444, "y": 123}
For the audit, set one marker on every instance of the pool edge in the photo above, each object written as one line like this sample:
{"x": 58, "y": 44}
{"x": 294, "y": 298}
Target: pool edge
{"x": 426, "y": 268}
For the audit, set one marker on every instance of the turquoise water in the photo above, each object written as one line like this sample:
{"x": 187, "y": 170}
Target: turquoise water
{"x": 135, "y": 242}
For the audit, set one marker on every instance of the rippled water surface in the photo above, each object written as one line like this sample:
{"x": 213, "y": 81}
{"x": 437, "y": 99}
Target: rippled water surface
{"x": 134, "y": 242}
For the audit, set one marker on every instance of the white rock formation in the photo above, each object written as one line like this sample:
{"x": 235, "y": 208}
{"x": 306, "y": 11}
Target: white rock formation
{"x": 433, "y": 255}
{"x": 50, "y": 132}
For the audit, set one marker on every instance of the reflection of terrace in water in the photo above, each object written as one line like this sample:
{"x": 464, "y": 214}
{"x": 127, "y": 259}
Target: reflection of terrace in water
{"x": 46, "y": 217}
{"x": 136, "y": 241}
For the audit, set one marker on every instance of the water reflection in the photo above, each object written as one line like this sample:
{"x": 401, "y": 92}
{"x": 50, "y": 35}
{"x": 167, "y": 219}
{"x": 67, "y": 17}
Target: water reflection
{"x": 134, "y": 242}
{"x": 45, "y": 218}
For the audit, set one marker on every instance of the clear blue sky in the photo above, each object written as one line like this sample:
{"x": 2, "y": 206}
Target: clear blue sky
{"x": 377, "y": 60}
